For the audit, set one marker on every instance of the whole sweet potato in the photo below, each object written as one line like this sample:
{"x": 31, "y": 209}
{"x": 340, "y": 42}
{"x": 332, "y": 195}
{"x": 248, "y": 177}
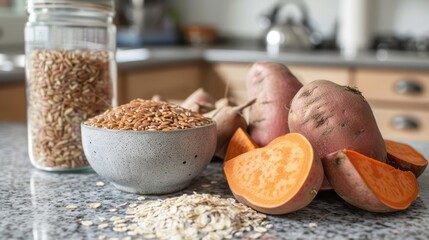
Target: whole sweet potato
{"x": 335, "y": 117}
{"x": 274, "y": 86}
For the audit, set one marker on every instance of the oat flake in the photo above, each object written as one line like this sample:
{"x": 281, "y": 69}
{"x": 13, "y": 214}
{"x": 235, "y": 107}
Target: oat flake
{"x": 86, "y": 223}
{"x": 100, "y": 184}
{"x": 94, "y": 205}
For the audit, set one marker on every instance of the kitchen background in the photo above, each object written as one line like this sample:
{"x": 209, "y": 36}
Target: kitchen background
{"x": 238, "y": 18}
{"x": 385, "y": 51}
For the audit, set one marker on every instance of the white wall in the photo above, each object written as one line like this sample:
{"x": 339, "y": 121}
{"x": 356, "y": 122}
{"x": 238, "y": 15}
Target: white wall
{"x": 410, "y": 17}
{"x": 239, "y": 18}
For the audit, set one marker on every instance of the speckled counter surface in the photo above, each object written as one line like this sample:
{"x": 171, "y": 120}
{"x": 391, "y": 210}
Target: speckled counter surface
{"x": 33, "y": 203}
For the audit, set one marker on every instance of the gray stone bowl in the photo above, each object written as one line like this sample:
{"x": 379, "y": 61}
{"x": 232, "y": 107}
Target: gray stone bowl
{"x": 149, "y": 162}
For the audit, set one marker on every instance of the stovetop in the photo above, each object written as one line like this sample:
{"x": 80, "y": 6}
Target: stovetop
{"x": 401, "y": 43}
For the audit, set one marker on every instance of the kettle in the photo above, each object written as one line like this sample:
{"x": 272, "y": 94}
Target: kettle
{"x": 289, "y": 29}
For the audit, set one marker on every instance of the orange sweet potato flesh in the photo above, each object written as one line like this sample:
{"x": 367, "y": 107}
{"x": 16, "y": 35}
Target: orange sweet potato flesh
{"x": 405, "y": 157}
{"x": 370, "y": 184}
{"x": 280, "y": 178}
{"x": 239, "y": 143}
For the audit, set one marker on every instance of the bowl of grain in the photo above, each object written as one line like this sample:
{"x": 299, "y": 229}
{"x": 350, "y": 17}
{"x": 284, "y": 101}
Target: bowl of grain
{"x": 149, "y": 147}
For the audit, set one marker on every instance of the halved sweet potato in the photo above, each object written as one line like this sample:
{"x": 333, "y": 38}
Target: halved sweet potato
{"x": 370, "y": 184}
{"x": 239, "y": 143}
{"x": 280, "y": 178}
{"x": 405, "y": 157}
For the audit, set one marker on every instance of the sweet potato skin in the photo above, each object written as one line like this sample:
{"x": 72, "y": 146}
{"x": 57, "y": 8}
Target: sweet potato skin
{"x": 349, "y": 185}
{"x": 274, "y": 86}
{"x": 335, "y": 117}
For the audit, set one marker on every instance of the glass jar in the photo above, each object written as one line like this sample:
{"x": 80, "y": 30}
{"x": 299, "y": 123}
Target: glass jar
{"x": 71, "y": 76}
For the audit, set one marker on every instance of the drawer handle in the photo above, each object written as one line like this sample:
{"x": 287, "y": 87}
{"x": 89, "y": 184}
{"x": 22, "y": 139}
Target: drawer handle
{"x": 405, "y": 123}
{"x": 408, "y": 87}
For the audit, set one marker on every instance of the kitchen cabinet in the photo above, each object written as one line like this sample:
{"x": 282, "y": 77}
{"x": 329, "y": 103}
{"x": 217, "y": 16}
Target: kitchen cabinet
{"x": 234, "y": 75}
{"x": 12, "y": 101}
{"x": 399, "y": 100}
{"x": 169, "y": 81}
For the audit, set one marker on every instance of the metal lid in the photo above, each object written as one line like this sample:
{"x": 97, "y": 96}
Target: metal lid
{"x": 100, "y": 5}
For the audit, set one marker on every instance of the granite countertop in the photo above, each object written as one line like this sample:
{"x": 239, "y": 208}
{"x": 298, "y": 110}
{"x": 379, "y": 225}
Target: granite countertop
{"x": 33, "y": 203}
{"x": 12, "y": 62}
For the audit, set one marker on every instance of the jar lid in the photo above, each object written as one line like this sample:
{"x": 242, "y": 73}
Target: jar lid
{"x": 101, "y": 5}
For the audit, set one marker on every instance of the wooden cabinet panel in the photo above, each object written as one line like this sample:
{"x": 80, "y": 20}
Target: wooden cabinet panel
{"x": 171, "y": 82}
{"x": 402, "y": 123}
{"x": 394, "y": 85}
{"x": 12, "y": 102}
{"x": 306, "y": 74}
{"x": 228, "y": 75}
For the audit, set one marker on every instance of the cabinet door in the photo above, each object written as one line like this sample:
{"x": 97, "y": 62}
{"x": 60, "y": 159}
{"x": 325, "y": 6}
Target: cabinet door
{"x": 171, "y": 82}
{"x": 12, "y": 102}
{"x": 394, "y": 85}
{"x": 402, "y": 123}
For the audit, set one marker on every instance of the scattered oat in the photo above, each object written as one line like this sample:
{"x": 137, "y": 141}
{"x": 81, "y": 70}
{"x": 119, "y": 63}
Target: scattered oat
{"x": 94, "y": 205}
{"x": 122, "y": 205}
{"x": 149, "y": 235}
{"x": 269, "y": 226}
{"x": 213, "y": 182}
{"x": 260, "y": 229}
{"x": 196, "y": 216}
{"x": 100, "y": 183}
{"x": 141, "y": 198}
{"x": 206, "y": 185}
{"x": 86, "y": 223}
{"x": 120, "y": 221}
{"x": 103, "y": 226}
{"x": 312, "y": 225}
{"x": 71, "y": 206}
{"x": 254, "y": 235}
{"x": 120, "y": 229}
{"x": 115, "y": 218}
{"x": 102, "y": 237}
